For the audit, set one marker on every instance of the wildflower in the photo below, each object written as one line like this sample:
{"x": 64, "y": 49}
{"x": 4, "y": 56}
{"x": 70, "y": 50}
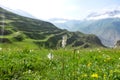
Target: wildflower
{"x": 107, "y": 59}
{"x": 50, "y": 56}
{"x": 89, "y": 64}
{"x": 64, "y": 39}
{"x": 119, "y": 58}
{"x": 84, "y": 75}
{"x": 29, "y": 71}
{"x": 94, "y": 75}
{"x": 90, "y": 50}
{"x": 78, "y": 51}
{"x": 116, "y": 70}
{"x": 111, "y": 72}
{"x": 105, "y": 76}
{"x": 0, "y": 48}
{"x": 106, "y": 56}
{"x": 98, "y": 49}
{"x": 31, "y": 50}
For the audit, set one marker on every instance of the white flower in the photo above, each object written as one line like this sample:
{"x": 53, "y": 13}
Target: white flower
{"x": 64, "y": 39}
{"x": 0, "y": 48}
{"x": 29, "y": 71}
{"x": 90, "y": 50}
{"x": 31, "y": 50}
{"x": 98, "y": 49}
{"x": 78, "y": 51}
{"x": 50, "y": 56}
{"x": 119, "y": 58}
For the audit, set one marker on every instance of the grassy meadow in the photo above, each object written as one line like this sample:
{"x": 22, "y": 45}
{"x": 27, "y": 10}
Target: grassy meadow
{"x": 62, "y": 64}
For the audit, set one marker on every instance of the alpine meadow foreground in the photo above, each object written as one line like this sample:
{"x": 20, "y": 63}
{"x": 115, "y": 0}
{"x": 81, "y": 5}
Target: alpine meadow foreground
{"x": 61, "y": 64}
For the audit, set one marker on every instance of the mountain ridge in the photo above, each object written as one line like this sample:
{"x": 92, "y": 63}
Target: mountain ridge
{"x": 41, "y": 33}
{"x": 106, "y": 28}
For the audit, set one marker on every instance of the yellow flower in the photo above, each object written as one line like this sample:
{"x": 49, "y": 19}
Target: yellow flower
{"x": 89, "y": 64}
{"x": 107, "y": 59}
{"x": 84, "y": 75}
{"x": 104, "y": 76}
{"x": 116, "y": 70}
{"x": 94, "y": 75}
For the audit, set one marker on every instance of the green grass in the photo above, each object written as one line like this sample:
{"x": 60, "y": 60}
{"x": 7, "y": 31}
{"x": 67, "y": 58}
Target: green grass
{"x": 67, "y": 64}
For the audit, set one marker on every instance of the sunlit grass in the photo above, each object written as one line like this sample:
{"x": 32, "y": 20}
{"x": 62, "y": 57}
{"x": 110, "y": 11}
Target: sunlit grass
{"x": 65, "y": 64}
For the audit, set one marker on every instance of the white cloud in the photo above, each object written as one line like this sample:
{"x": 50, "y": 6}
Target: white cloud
{"x": 40, "y": 8}
{"x": 45, "y": 9}
{"x": 105, "y": 13}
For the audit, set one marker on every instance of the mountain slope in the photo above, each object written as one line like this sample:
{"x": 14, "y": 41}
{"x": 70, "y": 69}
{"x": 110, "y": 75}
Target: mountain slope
{"x": 70, "y": 25}
{"x": 108, "y": 30}
{"x": 44, "y": 34}
{"x": 104, "y": 24}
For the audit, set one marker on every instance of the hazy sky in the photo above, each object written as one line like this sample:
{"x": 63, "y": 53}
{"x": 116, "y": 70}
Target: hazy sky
{"x": 72, "y": 9}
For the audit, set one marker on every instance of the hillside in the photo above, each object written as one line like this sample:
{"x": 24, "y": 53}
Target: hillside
{"x": 104, "y": 24}
{"x": 19, "y": 29}
{"x": 107, "y": 29}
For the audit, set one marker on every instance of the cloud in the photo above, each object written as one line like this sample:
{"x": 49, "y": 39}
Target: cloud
{"x": 45, "y": 9}
{"x": 105, "y": 13}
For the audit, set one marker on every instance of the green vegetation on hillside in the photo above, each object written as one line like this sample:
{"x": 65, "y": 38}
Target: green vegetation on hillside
{"x": 43, "y": 34}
